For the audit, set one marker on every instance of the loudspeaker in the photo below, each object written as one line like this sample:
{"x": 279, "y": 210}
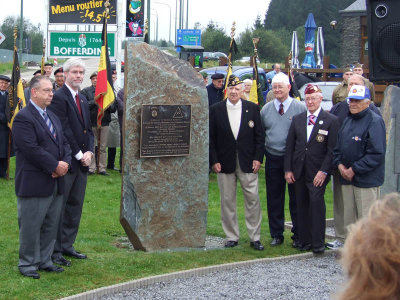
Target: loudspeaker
{"x": 384, "y": 39}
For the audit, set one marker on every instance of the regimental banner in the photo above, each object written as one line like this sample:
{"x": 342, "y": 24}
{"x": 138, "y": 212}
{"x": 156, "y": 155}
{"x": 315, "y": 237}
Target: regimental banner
{"x": 80, "y": 12}
{"x": 82, "y": 44}
{"x": 134, "y": 18}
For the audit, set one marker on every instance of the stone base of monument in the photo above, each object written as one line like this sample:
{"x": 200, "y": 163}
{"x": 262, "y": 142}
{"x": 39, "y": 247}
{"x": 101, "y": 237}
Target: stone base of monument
{"x": 165, "y": 162}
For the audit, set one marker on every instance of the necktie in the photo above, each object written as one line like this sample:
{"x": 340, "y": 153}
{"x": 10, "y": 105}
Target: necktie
{"x": 281, "y": 111}
{"x": 78, "y": 104}
{"x": 311, "y": 120}
{"x": 49, "y": 124}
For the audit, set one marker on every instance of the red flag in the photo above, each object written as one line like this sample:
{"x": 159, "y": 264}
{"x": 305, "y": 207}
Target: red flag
{"x": 104, "y": 94}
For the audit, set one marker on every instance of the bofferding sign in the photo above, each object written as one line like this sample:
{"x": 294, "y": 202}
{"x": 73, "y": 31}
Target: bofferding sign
{"x": 83, "y": 44}
{"x": 80, "y": 12}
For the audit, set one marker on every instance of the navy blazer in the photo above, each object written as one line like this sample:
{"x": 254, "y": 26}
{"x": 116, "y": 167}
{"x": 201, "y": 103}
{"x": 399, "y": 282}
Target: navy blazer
{"x": 77, "y": 130}
{"x": 249, "y": 145}
{"x": 38, "y": 153}
{"x": 306, "y": 158}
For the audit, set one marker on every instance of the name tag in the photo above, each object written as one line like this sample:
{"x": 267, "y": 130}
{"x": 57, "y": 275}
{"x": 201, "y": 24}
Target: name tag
{"x": 324, "y": 132}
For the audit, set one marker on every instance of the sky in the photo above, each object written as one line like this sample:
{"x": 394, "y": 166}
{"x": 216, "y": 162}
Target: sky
{"x": 222, "y": 12}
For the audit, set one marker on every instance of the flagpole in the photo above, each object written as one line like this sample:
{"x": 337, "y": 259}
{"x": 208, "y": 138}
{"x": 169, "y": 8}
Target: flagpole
{"x": 232, "y": 46}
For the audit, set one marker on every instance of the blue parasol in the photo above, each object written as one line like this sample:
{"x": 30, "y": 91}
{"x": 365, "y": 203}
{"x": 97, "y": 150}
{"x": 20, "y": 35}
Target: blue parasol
{"x": 309, "y": 60}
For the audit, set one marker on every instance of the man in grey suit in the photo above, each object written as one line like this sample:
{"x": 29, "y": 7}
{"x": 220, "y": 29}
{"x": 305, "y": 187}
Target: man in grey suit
{"x": 72, "y": 109}
{"x": 42, "y": 159}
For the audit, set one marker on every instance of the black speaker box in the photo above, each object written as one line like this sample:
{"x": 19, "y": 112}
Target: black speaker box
{"x": 384, "y": 39}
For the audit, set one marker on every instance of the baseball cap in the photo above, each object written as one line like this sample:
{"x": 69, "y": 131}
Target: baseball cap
{"x": 359, "y": 92}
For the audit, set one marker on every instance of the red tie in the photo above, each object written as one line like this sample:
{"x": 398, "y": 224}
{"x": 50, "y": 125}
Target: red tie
{"x": 311, "y": 120}
{"x": 281, "y": 111}
{"x": 78, "y": 104}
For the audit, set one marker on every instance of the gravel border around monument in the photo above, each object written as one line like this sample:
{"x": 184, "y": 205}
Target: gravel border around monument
{"x": 302, "y": 276}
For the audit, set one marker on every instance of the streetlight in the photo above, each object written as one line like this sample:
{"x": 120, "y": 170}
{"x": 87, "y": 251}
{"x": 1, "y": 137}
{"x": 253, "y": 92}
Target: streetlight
{"x": 156, "y": 14}
{"x": 169, "y": 18}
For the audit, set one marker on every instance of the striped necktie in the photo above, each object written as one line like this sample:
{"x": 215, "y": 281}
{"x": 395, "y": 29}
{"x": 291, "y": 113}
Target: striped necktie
{"x": 311, "y": 120}
{"x": 49, "y": 124}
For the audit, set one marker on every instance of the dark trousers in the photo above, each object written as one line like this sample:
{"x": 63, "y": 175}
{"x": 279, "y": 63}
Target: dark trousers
{"x": 112, "y": 152}
{"x": 310, "y": 212}
{"x": 75, "y": 187}
{"x": 3, "y": 167}
{"x": 276, "y": 188}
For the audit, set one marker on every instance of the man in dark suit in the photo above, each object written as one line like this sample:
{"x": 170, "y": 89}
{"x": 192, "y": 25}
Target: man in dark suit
{"x": 4, "y": 130}
{"x": 215, "y": 89}
{"x": 308, "y": 162}
{"x": 72, "y": 109}
{"x": 236, "y": 152}
{"x": 42, "y": 159}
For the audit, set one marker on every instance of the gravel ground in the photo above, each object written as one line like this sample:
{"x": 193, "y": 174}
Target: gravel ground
{"x": 317, "y": 277}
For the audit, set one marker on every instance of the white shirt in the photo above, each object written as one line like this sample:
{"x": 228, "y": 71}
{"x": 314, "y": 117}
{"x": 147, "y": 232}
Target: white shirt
{"x": 234, "y": 115}
{"x": 285, "y": 103}
{"x": 310, "y": 127}
{"x": 78, "y": 155}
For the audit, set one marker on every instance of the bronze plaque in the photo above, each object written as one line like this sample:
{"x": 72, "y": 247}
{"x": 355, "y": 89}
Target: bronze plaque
{"x": 165, "y": 130}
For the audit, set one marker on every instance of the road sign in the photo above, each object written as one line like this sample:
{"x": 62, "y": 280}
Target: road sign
{"x": 188, "y": 37}
{"x": 2, "y": 37}
{"x": 82, "y": 44}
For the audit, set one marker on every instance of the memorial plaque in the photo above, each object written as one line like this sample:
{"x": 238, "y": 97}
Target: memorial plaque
{"x": 165, "y": 130}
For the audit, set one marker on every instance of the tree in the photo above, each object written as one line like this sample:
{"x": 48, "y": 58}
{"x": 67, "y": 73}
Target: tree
{"x": 214, "y": 38}
{"x": 29, "y": 31}
{"x": 258, "y": 23}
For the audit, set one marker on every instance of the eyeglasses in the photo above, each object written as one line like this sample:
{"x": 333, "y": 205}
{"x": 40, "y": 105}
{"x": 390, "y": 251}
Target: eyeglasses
{"x": 47, "y": 91}
{"x": 312, "y": 99}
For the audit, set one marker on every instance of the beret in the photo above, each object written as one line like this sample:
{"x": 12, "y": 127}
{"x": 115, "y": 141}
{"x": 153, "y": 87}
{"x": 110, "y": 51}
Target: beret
{"x": 217, "y": 76}
{"x": 59, "y": 70}
{"x": 93, "y": 74}
{"x": 5, "y": 78}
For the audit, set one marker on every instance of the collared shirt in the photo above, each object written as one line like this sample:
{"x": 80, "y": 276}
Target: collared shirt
{"x": 78, "y": 155}
{"x": 285, "y": 103}
{"x": 39, "y": 109}
{"x": 310, "y": 127}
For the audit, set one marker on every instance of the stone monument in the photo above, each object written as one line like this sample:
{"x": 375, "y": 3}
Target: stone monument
{"x": 390, "y": 109}
{"x": 165, "y": 162}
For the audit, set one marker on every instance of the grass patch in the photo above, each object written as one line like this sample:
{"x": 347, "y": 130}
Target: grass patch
{"x": 100, "y": 231}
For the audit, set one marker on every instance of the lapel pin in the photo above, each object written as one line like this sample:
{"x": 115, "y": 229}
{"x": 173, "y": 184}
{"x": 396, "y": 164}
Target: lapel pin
{"x": 321, "y": 122}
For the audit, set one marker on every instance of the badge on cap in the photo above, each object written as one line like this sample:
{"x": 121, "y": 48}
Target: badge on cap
{"x": 251, "y": 124}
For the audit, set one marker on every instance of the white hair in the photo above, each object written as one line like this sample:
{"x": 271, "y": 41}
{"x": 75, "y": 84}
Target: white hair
{"x": 280, "y": 78}
{"x": 248, "y": 81}
{"x": 73, "y": 62}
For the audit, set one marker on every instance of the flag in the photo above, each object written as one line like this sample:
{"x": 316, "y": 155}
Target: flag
{"x": 104, "y": 94}
{"x": 256, "y": 95}
{"x": 294, "y": 92}
{"x": 16, "y": 98}
{"x": 232, "y": 48}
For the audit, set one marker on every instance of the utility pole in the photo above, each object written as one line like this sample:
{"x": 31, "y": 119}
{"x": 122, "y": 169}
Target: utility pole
{"x": 21, "y": 29}
{"x": 187, "y": 14}
{"x": 148, "y": 18}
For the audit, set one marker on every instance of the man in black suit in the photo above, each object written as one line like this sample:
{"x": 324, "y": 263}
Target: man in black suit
{"x": 236, "y": 152}
{"x": 42, "y": 159}
{"x": 215, "y": 89}
{"x": 4, "y": 130}
{"x": 72, "y": 109}
{"x": 308, "y": 163}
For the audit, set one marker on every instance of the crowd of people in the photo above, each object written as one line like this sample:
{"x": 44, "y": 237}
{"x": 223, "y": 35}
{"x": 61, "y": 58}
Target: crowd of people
{"x": 304, "y": 146}
{"x": 55, "y": 137}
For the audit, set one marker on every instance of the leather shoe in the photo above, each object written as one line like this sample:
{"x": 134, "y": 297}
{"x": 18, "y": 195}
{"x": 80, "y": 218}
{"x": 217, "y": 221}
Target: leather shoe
{"x": 31, "y": 273}
{"x": 61, "y": 261}
{"x": 305, "y": 247}
{"x": 90, "y": 173}
{"x": 276, "y": 242}
{"x": 231, "y": 244}
{"x": 257, "y": 245}
{"x": 296, "y": 244}
{"x": 52, "y": 268}
{"x": 319, "y": 250}
{"x": 75, "y": 254}
{"x": 104, "y": 173}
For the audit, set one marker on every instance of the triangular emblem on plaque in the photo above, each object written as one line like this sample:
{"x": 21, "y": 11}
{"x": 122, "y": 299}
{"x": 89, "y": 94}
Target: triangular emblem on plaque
{"x": 178, "y": 113}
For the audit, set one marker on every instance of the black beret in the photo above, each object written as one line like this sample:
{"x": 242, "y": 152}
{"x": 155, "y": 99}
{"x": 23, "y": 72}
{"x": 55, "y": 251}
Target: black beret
{"x": 5, "y": 78}
{"x": 59, "y": 70}
{"x": 37, "y": 72}
{"x": 217, "y": 76}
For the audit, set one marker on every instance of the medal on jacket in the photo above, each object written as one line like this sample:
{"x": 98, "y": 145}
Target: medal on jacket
{"x": 320, "y": 138}
{"x": 251, "y": 124}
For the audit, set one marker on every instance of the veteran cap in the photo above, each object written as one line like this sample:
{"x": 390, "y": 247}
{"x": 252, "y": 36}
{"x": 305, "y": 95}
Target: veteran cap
{"x": 359, "y": 92}
{"x": 311, "y": 89}
{"x": 217, "y": 76}
{"x": 234, "y": 80}
{"x": 5, "y": 78}
{"x": 37, "y": 72}
{"x": 59, "y": 70}
{"x": 93, "y": 74}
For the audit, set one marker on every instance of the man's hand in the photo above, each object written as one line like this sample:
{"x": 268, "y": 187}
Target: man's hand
{"x": 61, "y": 169}
{"x": 347, "y": 174}
{"x": 319, "y": 179}
{"x": 289, "y": 176}
{"x": 256, "y": 166}
{"x": 86, "y": 159}
{"x": 216, "y": 167}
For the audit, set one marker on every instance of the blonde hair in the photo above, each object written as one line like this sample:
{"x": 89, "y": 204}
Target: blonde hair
{"x": 371, "y": 254}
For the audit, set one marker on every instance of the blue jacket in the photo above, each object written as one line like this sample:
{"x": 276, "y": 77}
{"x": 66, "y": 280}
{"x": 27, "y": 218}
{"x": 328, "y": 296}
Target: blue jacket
{"x": 214, "y": 95}
{"x": 361, "y": 144}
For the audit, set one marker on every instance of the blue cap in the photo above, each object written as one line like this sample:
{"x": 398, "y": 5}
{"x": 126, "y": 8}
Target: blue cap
{"x": 359, "y": 92}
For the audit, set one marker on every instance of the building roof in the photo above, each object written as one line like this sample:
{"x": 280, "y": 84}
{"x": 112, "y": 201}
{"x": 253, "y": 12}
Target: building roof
{"x": 358, "y": 8}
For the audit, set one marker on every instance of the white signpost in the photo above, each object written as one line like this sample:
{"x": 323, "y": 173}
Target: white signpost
{"x": 2, "y": 37}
